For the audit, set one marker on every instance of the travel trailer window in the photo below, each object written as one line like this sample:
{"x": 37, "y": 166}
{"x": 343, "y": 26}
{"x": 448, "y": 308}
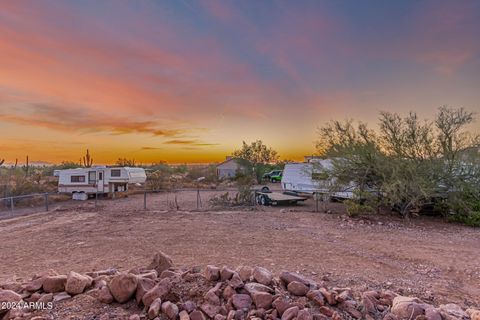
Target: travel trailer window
{"x": 92, "y": 176}
{"x": 115, "y": 173}
{"x": 77, "y": 179}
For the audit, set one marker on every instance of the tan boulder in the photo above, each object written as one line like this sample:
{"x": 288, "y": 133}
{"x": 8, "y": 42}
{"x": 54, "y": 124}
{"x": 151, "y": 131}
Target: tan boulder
{"x": 262, "y": 300}
{"x": 297, "y": 288}
{"x": 53, "y": 284}
{"x": 170, "y": 310}
{"x": 262, "y": 275}
{"x": 104, "y": 295}
{"x": 212, "y": 273}
{"x": 77, "y": 283}
{"x": 161, "y": 262}
{"x": 159, "y": 291}
{"x": 290, "y": 313}
{"x": 143, "y": 286}
{"x": 452, "y": 311}
{"x": 407, "y": 307}
{"x": 154, "y": 309}
{"x": 183, "y": 315}
{"x": 123, "y": 286}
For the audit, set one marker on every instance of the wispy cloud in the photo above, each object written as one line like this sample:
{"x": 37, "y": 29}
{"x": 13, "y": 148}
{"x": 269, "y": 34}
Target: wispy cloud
{"x": 68, "y": 119}
{"x": 192, "y": 142}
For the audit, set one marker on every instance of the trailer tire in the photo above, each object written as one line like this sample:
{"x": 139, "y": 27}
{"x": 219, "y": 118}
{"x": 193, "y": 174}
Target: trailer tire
{"x": 264, "y": 201}
{"x": 265, "y": 189}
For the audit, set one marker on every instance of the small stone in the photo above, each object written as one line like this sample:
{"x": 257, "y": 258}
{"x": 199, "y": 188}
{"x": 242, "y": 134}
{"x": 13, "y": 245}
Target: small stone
{"x": 252, "y": 287}
{"x": 474, "y": 314}
{"x": 45, "y": 298}
{"x": 220, "y": 317}
{"x": 197, "y": 315}
{"x": 317, "y": 297}
{"x": 34, "y": 285}
{"x": 304, "y": 314}
{"x": 212, "y": 273}
{"x": 167, "y": 274}
{"x": 290, "y": 313}
{"x": 104, "y": 295}
{"x": 297, "y": 288}
{"x": 8, "y": 296}
{"x": 189, "y": 306}
{"x": 123, "y": 286}
{"x": 262, "y": 300}
{"x": 209, "y": 309}
{"x": 225, "y": 273}
{"x": 236, "y": 282}
{"x": 154, "y": 309}
{"x": 245, "y": 273}
{"x": 329, "y": 296}
{"x": 77, "y": 283}
{"x": 53, "y": 284}
{"x": 407, "y": 307}
{"x": 241, "y": 301}
{"x": 134, "y": 317}
{"x": 288, "y": 277}
{"x": 161, "y": 262}
{"x": 452, "y": 311}
{"x": 184, "y": 315}
{"x": 143, "y": 286}
{"x": 159, "y": 291}
{"x": 228, "y": 292}
{"x": 170, "y": 310}
{"x": 61, "y": 296}
{"x": 262, "y": 275}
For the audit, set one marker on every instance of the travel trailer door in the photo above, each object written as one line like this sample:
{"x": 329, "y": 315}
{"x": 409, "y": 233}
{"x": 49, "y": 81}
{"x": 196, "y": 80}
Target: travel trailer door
{"x": 101, "y": 177}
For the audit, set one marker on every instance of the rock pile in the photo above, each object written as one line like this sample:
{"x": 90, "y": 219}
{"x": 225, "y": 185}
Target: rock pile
{"x": 219, "y": 293}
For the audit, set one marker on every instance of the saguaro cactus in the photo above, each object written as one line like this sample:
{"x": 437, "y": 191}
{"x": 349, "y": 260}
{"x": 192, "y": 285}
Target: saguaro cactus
{"x": 87, "y": 160}
{"x": 27, "y": 166}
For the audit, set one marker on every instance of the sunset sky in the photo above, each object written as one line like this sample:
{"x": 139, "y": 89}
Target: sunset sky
{"x": 187, "y": 81}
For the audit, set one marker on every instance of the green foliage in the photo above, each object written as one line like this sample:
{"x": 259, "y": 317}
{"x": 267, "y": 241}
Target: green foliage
{"x": 124, "y": 162}
{"x": 256, "y": 158}
{"x": 410, "y": 162}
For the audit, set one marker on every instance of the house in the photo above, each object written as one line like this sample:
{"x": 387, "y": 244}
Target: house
{"x": 228, "y": 168}
{"x": 99, "y": 179}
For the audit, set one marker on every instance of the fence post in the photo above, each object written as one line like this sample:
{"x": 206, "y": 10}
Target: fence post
{"x": 11, "y": 204}
{"x": 145, "y": 200}
{"x": 46, "y": 201}
{"x": 316, "y": 201}
{"x": 96, "y": 199}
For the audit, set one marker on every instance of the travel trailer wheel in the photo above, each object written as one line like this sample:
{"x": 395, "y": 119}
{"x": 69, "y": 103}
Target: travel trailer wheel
{"x": 264, "y": 201}
{"x": 265, "y": 189}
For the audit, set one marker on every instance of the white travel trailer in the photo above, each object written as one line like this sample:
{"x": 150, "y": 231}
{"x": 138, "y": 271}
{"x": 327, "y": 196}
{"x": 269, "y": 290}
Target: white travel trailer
{"x": 99, "y": 179}
{"x": 312, "y": 177}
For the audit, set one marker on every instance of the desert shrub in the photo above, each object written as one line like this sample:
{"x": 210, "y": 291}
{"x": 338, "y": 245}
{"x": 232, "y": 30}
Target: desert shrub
{"x": 243, "y": 197}
{"x": 361, "y": 203}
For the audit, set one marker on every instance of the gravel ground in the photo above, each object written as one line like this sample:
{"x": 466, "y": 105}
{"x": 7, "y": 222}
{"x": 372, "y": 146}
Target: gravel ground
{"x": 424, "y": 257}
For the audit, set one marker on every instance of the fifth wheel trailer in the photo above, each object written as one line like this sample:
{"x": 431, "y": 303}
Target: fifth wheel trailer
{"x": 99, "y": 179}
{"x": 312, "y": 177}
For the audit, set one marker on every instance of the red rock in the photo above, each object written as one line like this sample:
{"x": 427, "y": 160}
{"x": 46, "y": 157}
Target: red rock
{"x": 451, "y": 311}
{"x": 134, "y": 317}
{"x": 262, "y": 275}
{"x": 61, "y": 296}
{"x": 189, "y": 306}
{"x": 228, "y": 292}
{"x": 473, "y": 313}
{"x": 170, "y": 310}
{"x": 184, "y": 315}
{"x": 161, "y": 262}
{"x": 329, "y": 296}
{"x": 211, "y": 297}
{"x": 220, "y": 317}
{"x": 236, "y": 282}
{"x": 288, "y": 277}
{"x": 159, "y": 291}
{"x": 104, "y": 295}
{"x": 281, "y": 305}
{"x": 226, "y": 273}
{"x": 123, "y": 286}
{"x": 297, "y": 288}
{"x": 252, "y": 287}
{"x": 209, "y": 309}
{"x": 407, "y": 307}
{"x": 319, "y": 316}
{"x": 245, "y": 273}
{"x": 241, "y": 301}
{"x": 290, "y": 313}
{"x": 434, "y": 314}
{"x": 143, "y": 286}
{"x": 262, "y": 300}
{"x": 316, "y": 296}
{"x": 212, "y": 273}
{"x": 77, "y": 283}
{"x": 231, "y": 315}
{"x": 154, "y": 309}
{"x": 197, "y": 315}
{"x": 45, "y": 298}
{"x": 34, "y": 285}
{"x": 369, "y": 305}
{"x": 326, "y": 311}
{"x": 304, "y": 314}
{"x": 7, "y": 296}
{"x": 52, "y": 284}
{"x": 390, "y": 316}
{"x": 349, "y": 306}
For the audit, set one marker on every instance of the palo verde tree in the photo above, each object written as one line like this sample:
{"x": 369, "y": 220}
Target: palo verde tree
{"x": 409, "y": 162}
{"x": 255, "y": 157}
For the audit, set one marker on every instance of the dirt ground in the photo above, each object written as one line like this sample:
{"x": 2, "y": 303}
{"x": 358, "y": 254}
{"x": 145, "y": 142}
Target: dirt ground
{"x": 424, "y": 257}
